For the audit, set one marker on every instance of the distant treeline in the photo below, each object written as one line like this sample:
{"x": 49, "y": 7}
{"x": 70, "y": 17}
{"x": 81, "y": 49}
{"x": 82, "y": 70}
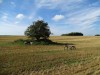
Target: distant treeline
{"x": 97, "y": 35}
{"x": 73, "y": 34}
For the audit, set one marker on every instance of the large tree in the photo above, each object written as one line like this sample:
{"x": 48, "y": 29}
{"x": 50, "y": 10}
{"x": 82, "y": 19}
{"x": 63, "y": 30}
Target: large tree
{"x": 38, "y": 30}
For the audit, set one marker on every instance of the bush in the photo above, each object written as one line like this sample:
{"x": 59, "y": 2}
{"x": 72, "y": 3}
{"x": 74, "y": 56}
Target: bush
{"x": 35, "y": 42}
{"x": 97, "y": 35}
{"x": 73, "y": 34}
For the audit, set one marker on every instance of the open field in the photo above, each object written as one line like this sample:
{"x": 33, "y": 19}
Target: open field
{"x": 16, "y": 59}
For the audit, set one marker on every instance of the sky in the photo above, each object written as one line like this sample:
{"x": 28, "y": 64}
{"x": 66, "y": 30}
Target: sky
{"x": 62, "y": 16}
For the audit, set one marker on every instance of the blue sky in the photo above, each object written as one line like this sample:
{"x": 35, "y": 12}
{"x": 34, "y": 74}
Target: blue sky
{"x": 63, "y": 16}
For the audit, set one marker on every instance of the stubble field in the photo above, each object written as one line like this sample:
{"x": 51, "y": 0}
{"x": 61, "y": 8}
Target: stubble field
{"x": 18, "y": 59}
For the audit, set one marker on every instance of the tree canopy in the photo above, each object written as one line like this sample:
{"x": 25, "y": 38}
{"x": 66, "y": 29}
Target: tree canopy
{"x": 38, "y": 30}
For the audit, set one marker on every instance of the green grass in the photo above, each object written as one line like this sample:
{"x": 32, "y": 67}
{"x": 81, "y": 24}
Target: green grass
{"x": 18, "y": 59}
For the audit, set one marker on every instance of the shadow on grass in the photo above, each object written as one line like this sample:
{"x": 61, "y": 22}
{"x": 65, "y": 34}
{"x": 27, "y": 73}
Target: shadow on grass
{"x": 56, "y": 43}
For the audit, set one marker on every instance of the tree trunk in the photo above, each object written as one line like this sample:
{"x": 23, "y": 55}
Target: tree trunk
{"x": 37, "y": 38}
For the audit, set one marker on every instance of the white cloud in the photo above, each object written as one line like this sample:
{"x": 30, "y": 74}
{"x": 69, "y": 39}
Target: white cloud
{"x": 4, "y": 18}
{"x": 39, "y": 18}
{"x": 11, "y": 29}
{"x": 77, "y": 13}
{"x": 20, "y": 16}
{"x": 85, "y": 17}
{"x": 16, "y": 22}
{"x": 13, "y": 4}
{"x": 55, "y": 3}
{"x": 58, "y": 17}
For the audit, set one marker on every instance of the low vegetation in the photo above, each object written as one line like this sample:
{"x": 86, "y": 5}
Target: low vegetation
{"x": 73, "y": 34}
{"x": 97, "y": 35}
{"x": 36, "y": 42}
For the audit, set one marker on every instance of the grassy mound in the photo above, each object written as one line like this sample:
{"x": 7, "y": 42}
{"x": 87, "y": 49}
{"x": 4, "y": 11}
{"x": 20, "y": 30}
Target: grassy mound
{"x": 37, "y": 42}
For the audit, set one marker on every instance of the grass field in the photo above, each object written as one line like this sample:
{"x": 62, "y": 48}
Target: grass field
{"x": 16, "y": 59}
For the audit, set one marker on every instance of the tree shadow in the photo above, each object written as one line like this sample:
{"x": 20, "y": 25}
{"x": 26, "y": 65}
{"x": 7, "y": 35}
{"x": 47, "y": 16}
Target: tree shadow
{"x": 56, "y": 43}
